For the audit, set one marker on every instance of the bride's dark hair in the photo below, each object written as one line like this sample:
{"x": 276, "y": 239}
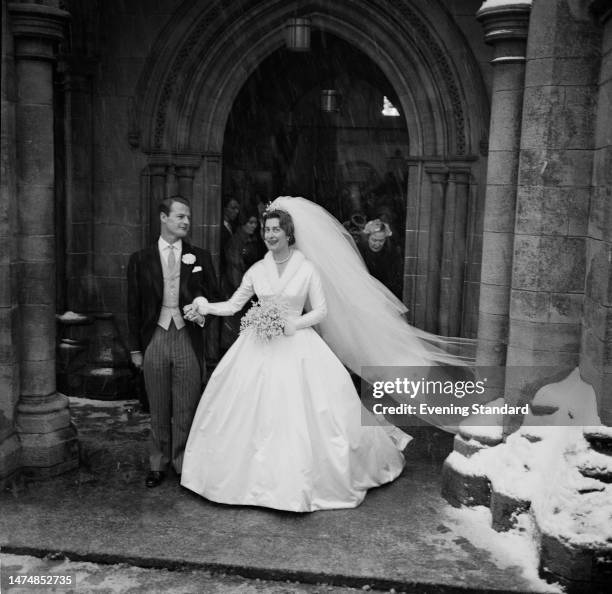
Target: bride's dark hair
{"x": 285, "y": 222}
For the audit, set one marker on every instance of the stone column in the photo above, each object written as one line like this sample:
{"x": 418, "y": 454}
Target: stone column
{"x": 453, "y": 252}
{"x": 49, "y": 444}
{"x": 554, "y": 188}
{"x": 411, "y": 234}
{"x": 10, "y": 447}
{"x": 505, "y": 28}
{"x": 596, "y": 340}
{"x": 438, "y": 175}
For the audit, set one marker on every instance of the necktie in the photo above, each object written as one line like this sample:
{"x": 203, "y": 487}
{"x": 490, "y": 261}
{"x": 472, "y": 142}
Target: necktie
{"x": 171, "y": 259}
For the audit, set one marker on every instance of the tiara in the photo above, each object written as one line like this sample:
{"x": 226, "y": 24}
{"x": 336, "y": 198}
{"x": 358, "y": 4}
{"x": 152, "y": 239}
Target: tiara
{"x": 269, "y": 208}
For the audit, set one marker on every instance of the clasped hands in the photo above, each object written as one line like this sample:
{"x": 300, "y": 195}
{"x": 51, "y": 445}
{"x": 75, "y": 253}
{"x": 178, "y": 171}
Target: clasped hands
{"x": 192, "y": 314}
{"x": 199, "y": 309}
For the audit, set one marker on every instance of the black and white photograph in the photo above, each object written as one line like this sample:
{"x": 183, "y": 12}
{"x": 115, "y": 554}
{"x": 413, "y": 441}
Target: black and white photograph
{"x": 306, "y": 296}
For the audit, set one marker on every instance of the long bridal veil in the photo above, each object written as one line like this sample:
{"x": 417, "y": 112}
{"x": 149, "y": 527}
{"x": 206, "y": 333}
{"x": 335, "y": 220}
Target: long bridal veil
{"x": 364, "y": 325}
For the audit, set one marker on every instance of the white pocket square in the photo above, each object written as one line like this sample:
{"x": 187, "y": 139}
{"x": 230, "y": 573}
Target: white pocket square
{"x": 197, "y": 269}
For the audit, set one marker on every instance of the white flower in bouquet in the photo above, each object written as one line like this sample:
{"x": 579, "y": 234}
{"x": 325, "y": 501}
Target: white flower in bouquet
{"x": 265, "y": 319}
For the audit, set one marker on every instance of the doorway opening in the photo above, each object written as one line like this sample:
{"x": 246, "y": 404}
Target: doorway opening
{"x": 323, "y": 124}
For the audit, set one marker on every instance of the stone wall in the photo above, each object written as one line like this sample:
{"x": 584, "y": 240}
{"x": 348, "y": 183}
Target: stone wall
{"x": 596, "y": 351}
{"x": 554, "y": 187}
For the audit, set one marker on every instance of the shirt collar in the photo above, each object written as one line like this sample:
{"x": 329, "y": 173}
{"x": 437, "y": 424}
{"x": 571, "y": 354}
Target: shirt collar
{"x": 162, "y": 244}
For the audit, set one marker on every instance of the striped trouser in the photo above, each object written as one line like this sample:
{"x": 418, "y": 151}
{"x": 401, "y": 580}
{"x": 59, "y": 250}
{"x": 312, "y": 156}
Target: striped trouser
{"x": 173, "y": 380}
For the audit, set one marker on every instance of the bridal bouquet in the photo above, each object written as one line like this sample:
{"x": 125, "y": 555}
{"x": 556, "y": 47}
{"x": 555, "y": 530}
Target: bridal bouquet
{"x": 266, "y": 320}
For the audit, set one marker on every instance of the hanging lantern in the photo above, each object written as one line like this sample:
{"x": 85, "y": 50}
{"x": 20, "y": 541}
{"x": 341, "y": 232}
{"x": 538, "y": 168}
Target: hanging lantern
{"x": 329, "y": 100}
{"x": 298, "y": 34}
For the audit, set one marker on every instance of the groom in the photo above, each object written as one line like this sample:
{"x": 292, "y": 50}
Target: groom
{"x": 162, "y": 279}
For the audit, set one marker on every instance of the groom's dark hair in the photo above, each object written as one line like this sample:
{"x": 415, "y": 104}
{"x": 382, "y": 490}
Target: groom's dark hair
{"x": 166, "y": 204}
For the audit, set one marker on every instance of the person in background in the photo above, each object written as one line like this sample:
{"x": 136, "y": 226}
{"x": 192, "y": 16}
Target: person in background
{"x": 231, "y": 210}
{"x": 244, "y": 249}
{"x": 382, "y": 258}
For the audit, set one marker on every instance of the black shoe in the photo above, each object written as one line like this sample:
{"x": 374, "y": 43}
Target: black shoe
{"x": 155, "y": 478}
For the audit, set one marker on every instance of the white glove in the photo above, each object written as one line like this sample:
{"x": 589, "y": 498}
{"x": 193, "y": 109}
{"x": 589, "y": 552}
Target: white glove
{"x": 201, "y": 305}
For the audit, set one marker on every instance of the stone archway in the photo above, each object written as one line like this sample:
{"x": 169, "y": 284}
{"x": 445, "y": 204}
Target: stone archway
{"x": 205, "y": 55}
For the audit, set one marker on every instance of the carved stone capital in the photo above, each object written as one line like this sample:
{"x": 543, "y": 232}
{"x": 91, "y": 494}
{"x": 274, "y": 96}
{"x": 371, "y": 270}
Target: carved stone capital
{"x": 37, "y": 29}
{"x": 437, "y": 173}
{"x": 505, "y": 27}
{"x": 459, "y": 175}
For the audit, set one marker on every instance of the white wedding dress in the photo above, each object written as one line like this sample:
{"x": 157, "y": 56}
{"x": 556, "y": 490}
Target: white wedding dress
{"x": 280, "y": 424}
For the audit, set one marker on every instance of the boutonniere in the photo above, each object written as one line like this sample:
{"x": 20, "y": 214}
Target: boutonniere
{"x": 188, "y": 259}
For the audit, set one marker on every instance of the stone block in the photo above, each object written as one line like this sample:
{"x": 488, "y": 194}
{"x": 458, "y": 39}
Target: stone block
{"x": 552, "y": 211}
{"x": 509, "y": 79}
{"x": 601, "y": 166}
{"x": 497, "y": 265}
{"x": 410, "y": 242}
{"x": 36, "y": 167}
{"x": 521, "y": 356}
{"x": 502, "y": 168}
{"x": 463, "y": 488}
{"x": 49, "y": 454}
{"x": 600, "y": 215}
{"x": 38, "y": 377}
{"x": 112, "y": 239}
{"x": 599, "y": 438}
{"x": 559, "y": 117}
{"x": 603, "y": 122}
{"x": 38, "y": 330}
{"x": 121, "y": 201}
{"x": 37, "y": 284}
{"x": 36, "y": 83}
{"x": 545, "y": 336}
{"x": 111, "y": 265}
{"x": 549, "y": 263}
{"x": 493, "y": 299}
{"x": 505, "y": 121}
{"x": 542, "y": 166}
{"x": 81, "y": 238}
{"x": 77, "y": 265}
{"x": 555, "y": 308}
{"x": 36, "y": 213}
{"x": 46, "y": 422}
{"x": 467, "y": 447}
{"x": 604, "y": 399}
{"x": 505, "y": 510}
{"x": 8, "y": 284}
{"x": 578, "y": 567}
{"x": 10, "y": 458}
{"x": 9, "y": 387}
{"x": 577, "y": 71}
{"x": 109, "y": 295}
{"x": 598, "y": 286}
{"x": 500, "y": 207}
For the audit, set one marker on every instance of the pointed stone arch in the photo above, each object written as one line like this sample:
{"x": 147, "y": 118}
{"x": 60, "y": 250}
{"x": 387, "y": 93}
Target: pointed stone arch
{"x": 206, "y": 53}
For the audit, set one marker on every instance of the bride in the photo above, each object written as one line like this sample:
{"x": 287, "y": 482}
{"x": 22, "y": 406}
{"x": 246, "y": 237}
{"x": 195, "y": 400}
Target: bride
{"x": 280, "y": 424}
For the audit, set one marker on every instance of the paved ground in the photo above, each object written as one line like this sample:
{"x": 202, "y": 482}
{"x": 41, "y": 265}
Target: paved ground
{"x": 404, "y": 536}
{"x": 99, "y": 578}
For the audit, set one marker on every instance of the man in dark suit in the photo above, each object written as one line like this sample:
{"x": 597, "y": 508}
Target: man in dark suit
{"x": 162, "y": 280}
